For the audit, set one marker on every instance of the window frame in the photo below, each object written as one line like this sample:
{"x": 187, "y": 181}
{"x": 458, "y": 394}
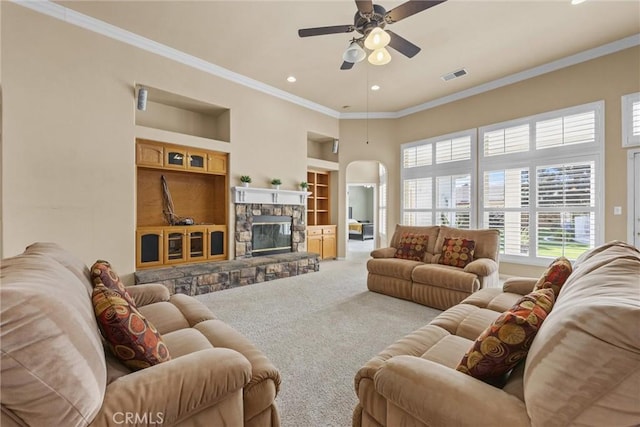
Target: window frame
{"x": 534, "y": 158}
{"x": 434, "y": 170}
{"x": 628, "y": 138}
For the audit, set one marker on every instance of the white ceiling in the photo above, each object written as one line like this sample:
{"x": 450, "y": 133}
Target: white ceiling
{"x": 258, "y": 39}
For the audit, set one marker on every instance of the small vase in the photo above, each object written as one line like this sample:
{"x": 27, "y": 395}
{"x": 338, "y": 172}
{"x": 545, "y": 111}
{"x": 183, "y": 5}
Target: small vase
{"x": 276, "y": 187}
{"x": 245, "y": 184}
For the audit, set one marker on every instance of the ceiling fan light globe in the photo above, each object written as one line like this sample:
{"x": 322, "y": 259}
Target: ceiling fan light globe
{"x": 354, "y": 53}
{"x": 377, "y": 39}
{"x": 380, "y": 57}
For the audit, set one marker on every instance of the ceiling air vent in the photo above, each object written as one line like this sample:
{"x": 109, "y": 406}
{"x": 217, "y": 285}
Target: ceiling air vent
{"x": 454, "y": 75}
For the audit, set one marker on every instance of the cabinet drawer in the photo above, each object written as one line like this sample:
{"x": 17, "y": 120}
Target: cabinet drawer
{"x": 312, "y": 231}
{"x": 328, "y": 230}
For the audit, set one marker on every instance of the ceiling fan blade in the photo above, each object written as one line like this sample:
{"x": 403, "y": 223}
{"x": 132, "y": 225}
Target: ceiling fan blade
{"x": 403, "y": 45}
{"x": 409, "y": 8}
{"x": 365, "y": 7}
{"x": 346, "y": 65}
{"x": 319, "y": 31}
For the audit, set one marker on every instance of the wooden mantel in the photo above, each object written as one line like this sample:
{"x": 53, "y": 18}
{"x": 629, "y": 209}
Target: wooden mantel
{"x": 269, "y": 196}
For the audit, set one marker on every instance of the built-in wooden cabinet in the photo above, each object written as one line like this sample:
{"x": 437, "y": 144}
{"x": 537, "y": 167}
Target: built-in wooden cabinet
{"x": 321, "y": 234}
{"x": 198, "y": 184}
{"x": 321, "y": 239}
{"x": 318, "y": 203}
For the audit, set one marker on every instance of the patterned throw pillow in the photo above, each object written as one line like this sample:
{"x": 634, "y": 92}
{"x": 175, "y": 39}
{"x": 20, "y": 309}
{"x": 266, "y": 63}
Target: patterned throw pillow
{"x": 555, "y": 275}
{"x": 412, "y": 246}
{"x": 457, "y": 252}
{"x": 103, "y": 274}
{"x": 507, "y": 340}
{"x": 131, "y": 337}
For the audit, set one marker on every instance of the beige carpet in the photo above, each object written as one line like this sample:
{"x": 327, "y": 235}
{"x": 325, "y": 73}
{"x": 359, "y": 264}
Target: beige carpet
{"x": 318, "y": 329}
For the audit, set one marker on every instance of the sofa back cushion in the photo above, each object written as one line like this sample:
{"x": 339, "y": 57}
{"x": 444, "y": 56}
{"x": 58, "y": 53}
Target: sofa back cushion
{"x": 430, "y": 231}
{"x": 583, "y": 368}
{"x": 53, "y": 367}
{"x": 487, "y": 242}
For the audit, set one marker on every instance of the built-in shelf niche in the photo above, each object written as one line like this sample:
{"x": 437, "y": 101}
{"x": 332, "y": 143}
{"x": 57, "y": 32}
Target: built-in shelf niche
{"x": 320, "y": 147}
{"x": 177, "y": 113}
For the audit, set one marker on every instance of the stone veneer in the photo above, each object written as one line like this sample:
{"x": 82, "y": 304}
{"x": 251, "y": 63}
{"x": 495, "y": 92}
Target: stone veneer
{"x": 244, "y": 222}
{"x": 202, "y": 278}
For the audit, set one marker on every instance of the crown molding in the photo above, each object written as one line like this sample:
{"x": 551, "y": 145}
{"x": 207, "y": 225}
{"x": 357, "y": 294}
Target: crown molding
{"x": 72, "y": 17}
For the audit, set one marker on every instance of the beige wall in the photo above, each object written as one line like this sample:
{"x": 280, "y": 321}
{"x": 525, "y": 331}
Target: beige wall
{"x": 68, "y": 171}
{"x": 606, "y": 78}
{"x": 68, "y": 159}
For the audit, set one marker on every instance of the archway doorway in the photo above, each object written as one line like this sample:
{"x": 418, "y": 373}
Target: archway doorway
{"x": 366, "y": 201}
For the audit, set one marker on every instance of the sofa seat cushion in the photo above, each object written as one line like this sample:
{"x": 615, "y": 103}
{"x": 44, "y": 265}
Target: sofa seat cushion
{"x": 448, "y": 351}
{"x": 493, "y": 299}
{"x": 465, "y": 320}
{"x": 445, "y": 276}
{"x": 185, "y": 341}
{"x": 392, "y": 267}
{"x": 166, "y": 317}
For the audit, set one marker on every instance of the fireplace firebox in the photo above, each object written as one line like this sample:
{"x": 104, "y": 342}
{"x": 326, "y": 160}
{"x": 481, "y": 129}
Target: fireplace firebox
{"x": 271, "y": 234}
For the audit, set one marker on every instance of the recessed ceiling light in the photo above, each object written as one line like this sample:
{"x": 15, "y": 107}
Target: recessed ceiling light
{"x": 375, "y": 87}
{"x": 291, "y": 79}
{"x": 575, "y": 2}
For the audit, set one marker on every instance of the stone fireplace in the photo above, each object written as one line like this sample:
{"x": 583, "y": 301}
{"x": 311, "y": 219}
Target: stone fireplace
{"x": 277, "y": 215}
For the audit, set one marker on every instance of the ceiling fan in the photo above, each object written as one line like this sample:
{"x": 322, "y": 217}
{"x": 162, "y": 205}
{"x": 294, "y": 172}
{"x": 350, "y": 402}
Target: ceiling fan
{"x": 370, "y": 21}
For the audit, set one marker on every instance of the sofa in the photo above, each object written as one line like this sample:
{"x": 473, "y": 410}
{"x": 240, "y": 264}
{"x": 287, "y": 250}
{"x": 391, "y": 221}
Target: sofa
{"x": 581, "y": 369}
{"x": 427, "y": 281}
{"x": 57, "y": 371}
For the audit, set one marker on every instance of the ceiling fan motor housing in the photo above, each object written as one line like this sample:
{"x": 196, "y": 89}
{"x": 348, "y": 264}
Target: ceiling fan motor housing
{"x": 365, "y": 23}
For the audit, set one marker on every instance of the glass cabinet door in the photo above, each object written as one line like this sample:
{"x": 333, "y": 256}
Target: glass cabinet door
{"x": 175, "y": 158}
{"x": 197, "y": 238}
{"x": 197, "y": 161}
{"x": 174, "y": 248}
{"x": 149, "y": 244}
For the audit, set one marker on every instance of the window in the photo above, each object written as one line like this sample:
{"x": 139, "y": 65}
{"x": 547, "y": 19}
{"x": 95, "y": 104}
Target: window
{"x": 441, "y": 191}
{"x": 540, "y": 178}
{"x": 631, "y": 120}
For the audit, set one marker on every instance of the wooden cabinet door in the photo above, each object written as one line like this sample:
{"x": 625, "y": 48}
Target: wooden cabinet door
{"x": 328, "y": 246}
{"x": 314, "y": 245}
{"x": 175, "y": 158}
{"x": 149, "y": 247}
{"x": 217, "y": 163}
{"x": 217, "y": 242}
{"x": 197, "y": 160}
{"x": 196, "y": 243}
{"x": 149, "y": 154}
{"x": 175, "y": 245}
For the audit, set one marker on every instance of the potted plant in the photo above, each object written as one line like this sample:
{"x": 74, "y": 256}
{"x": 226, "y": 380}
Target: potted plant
{"x": 275, "y": 182}
{"x": 304, "y": 185}
{"x": 245, "y": 180}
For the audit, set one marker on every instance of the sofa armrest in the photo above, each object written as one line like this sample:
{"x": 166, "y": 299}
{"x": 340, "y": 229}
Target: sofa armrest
{"x": 176, "y": 389}
{"x": 519, "y": 285}
{"x": 482, "y": 267}
{"x": 148, "y": 293}
{"x": 383, "y": 253}
{"x": 438, "y": 395}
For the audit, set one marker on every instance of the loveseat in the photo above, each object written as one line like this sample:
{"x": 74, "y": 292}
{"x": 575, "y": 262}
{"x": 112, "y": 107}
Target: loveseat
{"x": 57, "y": 371}
{"x": 582, "y": 367}
{"x": 427, "y": 281}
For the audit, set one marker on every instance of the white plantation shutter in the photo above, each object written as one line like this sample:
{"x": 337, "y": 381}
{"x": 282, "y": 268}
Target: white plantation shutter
{"x": 539, "y": 180}
{"x": 573, "y": 129}
{"x": 507, "y": 140}
{"x": 440, "y": 191}
{"x": 420, "y": 155}
{"x": 631, "y": 120}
